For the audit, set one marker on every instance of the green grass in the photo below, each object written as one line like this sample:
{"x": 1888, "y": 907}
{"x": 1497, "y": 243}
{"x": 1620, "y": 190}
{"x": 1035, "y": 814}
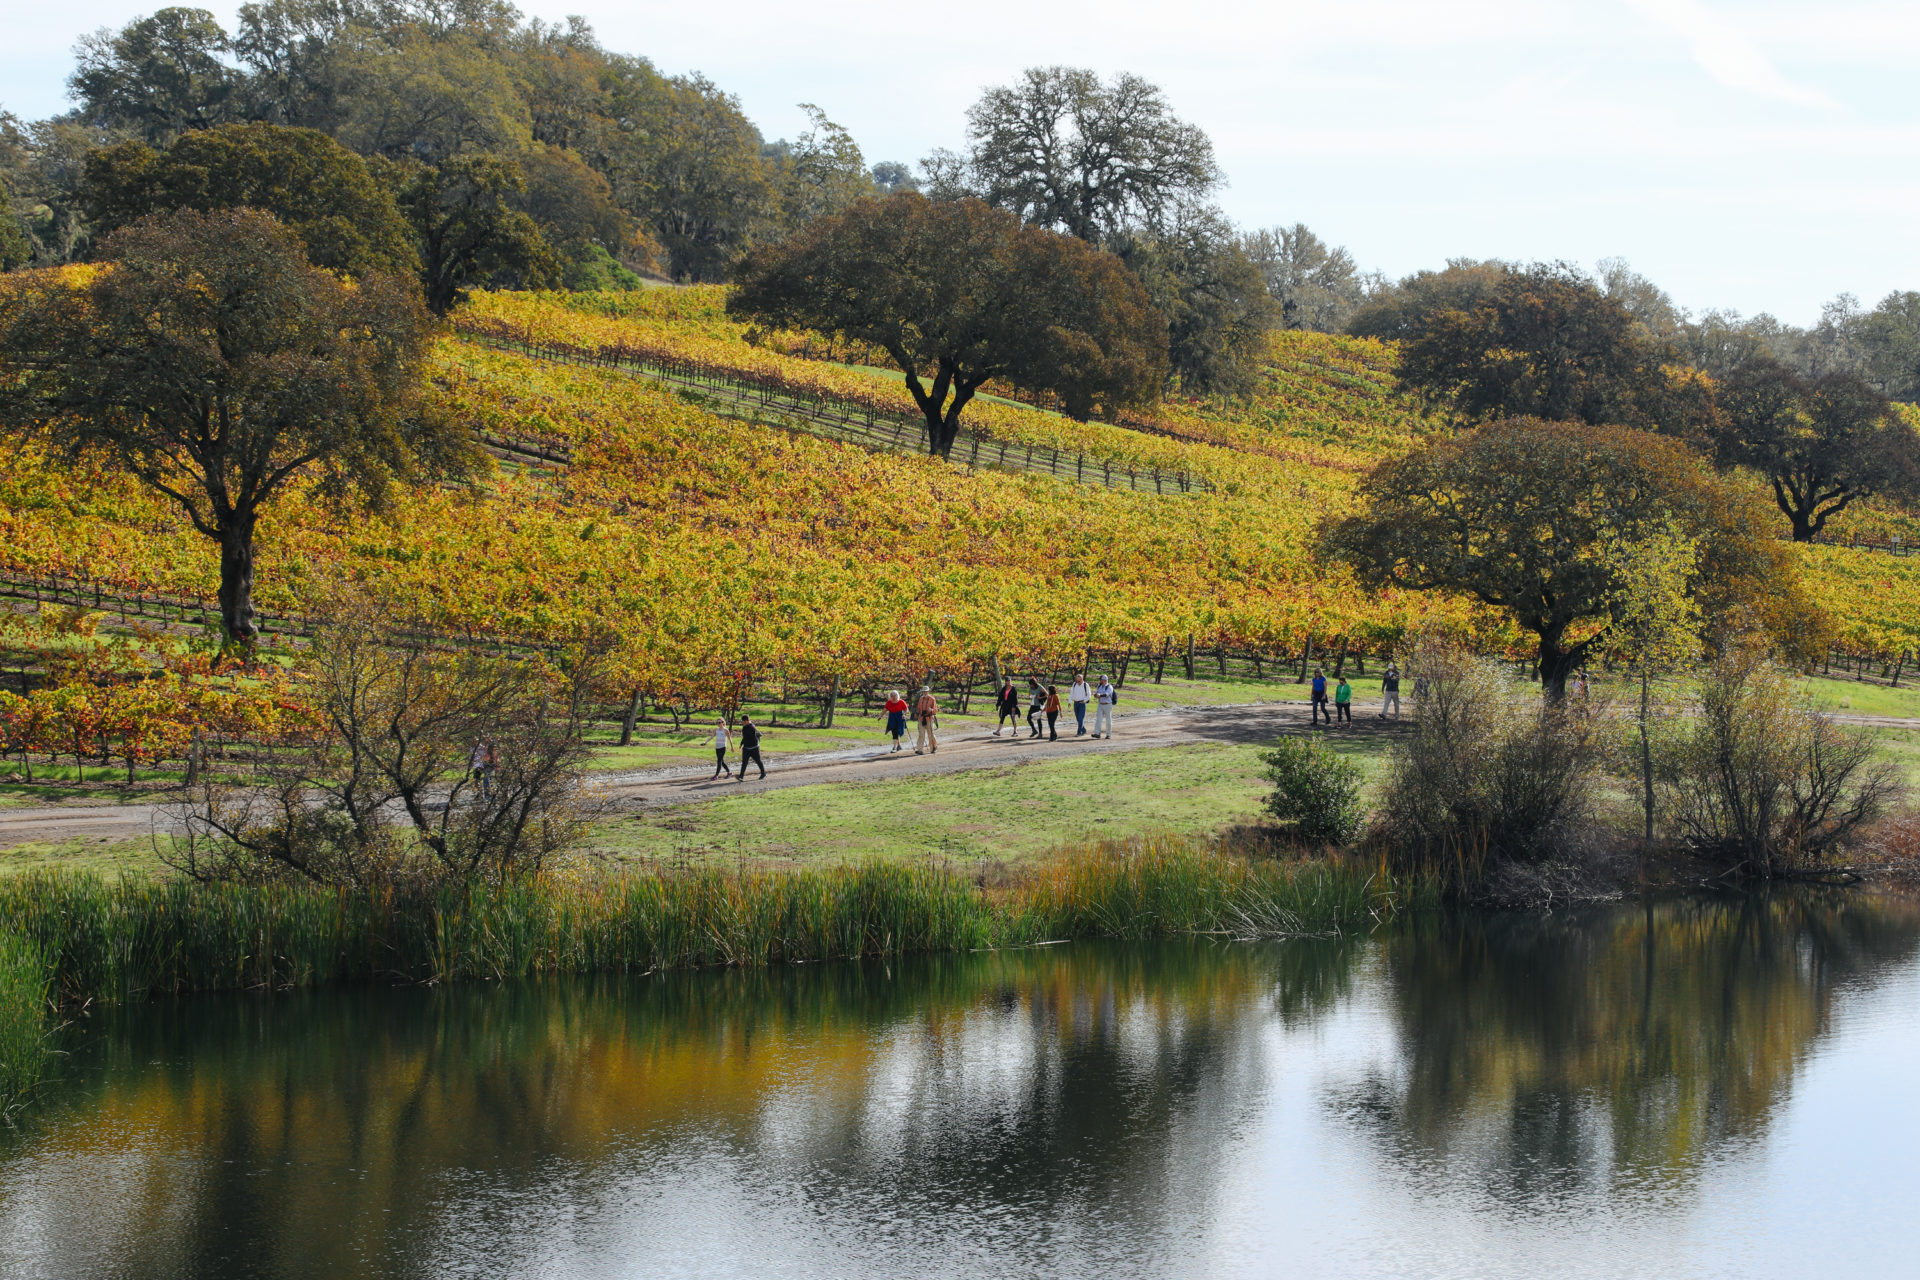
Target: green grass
{"x": 91, "y": 856}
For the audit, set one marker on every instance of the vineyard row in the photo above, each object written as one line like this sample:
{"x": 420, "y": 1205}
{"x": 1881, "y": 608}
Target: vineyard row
{"x": 868, "y": 425}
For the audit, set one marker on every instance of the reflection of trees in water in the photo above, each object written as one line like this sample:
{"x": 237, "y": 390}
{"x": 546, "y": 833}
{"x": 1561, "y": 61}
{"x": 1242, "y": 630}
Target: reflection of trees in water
{"x": 1550, "y": 1053}
{"x": 322, "y": 1126}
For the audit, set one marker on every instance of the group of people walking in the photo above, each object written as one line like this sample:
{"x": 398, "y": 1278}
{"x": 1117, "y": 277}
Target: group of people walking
{"x": 1340, "y": 706}
{"x": 749, "y": 748}
{"x": 1043, "y": 706}
{"x": 926, "y": 713}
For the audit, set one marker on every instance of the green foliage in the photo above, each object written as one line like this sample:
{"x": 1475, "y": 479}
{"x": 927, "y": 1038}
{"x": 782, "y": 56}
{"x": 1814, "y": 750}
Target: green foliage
{"x": 1214, "y": 297}
{"x": 469, "y": 231}
{"x": 1315, "y": 790}
{"x": 23, "y": 1016}
{"x": 15, "y": 249}
{"x": 160, "y": 75}
{"x": 137, "y": 937}
{"x": 316, "y": 188}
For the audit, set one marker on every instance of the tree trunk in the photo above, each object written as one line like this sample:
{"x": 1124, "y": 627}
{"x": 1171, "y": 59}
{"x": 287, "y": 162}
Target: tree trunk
{"x": 1555, "y": 667}
{"x": 1189, "y": 655}
{"x": 626, "y": 723}
{"x": 833, "y": 698}
{"x": 1306, "y": 660}
{"x": 1646, "y": 751}
{"x": 1340, "y": 661}
{"x": 236, "y": 581}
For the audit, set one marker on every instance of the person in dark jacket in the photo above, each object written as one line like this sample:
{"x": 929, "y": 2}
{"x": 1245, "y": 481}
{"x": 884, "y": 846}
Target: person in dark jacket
{"x": 749, "y": 748}
{"x": 1390, "y": 692}
{"x": 1320, "y": 697}
{"x": 1036, "y": 704}
{"x": 1008, "y": 705}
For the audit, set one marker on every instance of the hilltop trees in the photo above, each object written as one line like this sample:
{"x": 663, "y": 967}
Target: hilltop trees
{"x": 1544, "y": 342}
{"x": 316, "y": 188}
{"x": 1525, "y": 515}
{"x": 959, "y": 293}
{"x": 1822, "y": 443}
{"x": 220, "y": 368}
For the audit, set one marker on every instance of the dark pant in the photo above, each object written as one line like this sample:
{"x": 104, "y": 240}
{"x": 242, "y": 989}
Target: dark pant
{"x": 1080, "y": 715}
{"x": 1009, "y": 713}
{"x": 1033, "y": 721}
{"x": 1052, "y": 733}
{"x": 720, "y": 762}
{"x": 1344, "y": 710}
{"x": 753, "y": 754}
{"x": 1320, "y": 709}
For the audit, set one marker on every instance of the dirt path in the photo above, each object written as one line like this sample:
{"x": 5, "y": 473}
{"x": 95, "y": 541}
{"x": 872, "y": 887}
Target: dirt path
{"x": 972, "y": 748}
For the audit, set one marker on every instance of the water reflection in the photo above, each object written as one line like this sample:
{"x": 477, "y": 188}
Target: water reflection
{"x": 1547, "y": 1055}
{"x": 1085, "y": 1109}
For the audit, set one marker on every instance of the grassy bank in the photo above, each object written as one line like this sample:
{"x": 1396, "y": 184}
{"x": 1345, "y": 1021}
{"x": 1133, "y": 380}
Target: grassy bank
{"x": 102, "y": 940}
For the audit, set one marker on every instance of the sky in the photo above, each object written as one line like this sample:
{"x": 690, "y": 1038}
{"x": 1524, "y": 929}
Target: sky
{"x": 1752, "y": 156}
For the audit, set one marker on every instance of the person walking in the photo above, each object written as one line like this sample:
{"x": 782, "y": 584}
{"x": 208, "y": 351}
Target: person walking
{"x": 1319, "y": 697}
{"x": 1009, "y": 707}
{"x": 1390, "y": 692}
{"x": 750, "y": 748}
{"x": 1343, "y": 701}
{"x": 1104, "y": 696}
{"x": 1036, "y": 705}
{"x": 927, "y": 712}
{"x": 1053, "y": 713}
{"x": 720, "y": 749}
{"x": 1080, "y": 696}
{"x": 896, "y": 717}
{"x": 477, "y": 765}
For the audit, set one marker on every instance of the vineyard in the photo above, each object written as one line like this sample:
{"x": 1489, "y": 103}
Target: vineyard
{"x": 722, "y": 545}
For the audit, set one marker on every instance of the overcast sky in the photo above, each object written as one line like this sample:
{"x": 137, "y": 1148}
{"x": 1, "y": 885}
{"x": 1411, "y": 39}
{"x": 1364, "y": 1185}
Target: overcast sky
{"x": 1759, "y": 156}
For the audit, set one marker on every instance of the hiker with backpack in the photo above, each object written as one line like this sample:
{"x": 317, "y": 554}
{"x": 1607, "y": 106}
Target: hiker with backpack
{"x": 1104, "y": 698}
{"x": 1079, "y": 695}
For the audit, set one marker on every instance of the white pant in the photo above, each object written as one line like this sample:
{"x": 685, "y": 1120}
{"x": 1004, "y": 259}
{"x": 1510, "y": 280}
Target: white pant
{"x": 1389, "y": 700}
{"x": 1103, "y": 719}
{"x": 926, "y": 740}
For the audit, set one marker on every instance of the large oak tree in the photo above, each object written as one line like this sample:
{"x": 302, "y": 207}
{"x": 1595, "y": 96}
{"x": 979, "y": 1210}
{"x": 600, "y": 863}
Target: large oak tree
{"x": 1528, "y": 516}
{"x": 214, "y": 363}
{"x": 957, "y": 294}
{"x": 1822, "y": 443}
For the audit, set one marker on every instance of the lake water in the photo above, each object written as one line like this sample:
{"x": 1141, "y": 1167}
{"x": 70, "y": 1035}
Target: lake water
{"x": 1691, "y": 1088}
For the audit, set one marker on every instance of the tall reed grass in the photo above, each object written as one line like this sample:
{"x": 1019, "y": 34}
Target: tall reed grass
{"x": 23, "y": 1017}
{"x": 100, "y": 940}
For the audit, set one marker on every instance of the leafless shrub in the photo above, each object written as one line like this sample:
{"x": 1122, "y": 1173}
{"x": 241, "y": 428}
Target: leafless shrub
{"x": 1762, "y": 782}
{"x": 1491, "y": 772}
{"x": 385, "y": 790}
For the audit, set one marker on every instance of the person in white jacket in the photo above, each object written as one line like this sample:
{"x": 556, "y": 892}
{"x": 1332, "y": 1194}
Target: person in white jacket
{"x": 1080, "y": 696}
{"x": 1104, "y": 696}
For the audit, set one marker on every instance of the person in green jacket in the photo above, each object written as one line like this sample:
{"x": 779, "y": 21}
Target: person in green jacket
{"x": 1343, "y": 701}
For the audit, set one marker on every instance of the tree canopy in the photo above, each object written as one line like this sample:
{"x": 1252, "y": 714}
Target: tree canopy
{"x": 957, "y": 294}
{"x": 1822, "y": 443}
{"x": 1545, "y": 342}
{"x": 219, "y": 367}
{"x": 317, "y": 188}
{"x": 1064, "y": 150}
{"x": 1528, "y": 516}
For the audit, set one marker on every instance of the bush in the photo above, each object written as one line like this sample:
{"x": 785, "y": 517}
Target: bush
{"x": 1762, "y": 782}
{"x": 1315, "y": 790}
{"x": 1491, "y": 772}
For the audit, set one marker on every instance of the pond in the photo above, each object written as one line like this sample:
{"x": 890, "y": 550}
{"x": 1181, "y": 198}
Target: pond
{"x": 1680, "y": 1088}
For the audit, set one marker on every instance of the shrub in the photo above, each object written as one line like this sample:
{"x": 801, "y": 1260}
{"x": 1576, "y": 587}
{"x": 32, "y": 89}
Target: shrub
{"x": 1490, "y": 772}
{"x": 1764, "y": 783}
{"x": 1315, "y": 790}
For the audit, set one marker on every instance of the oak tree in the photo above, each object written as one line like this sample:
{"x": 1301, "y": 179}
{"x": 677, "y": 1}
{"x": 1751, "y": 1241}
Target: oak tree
{"x": 1822, "y": 443}
{"x": 958, "y": 293}
{"x": 217, "y": 366}
{"x": 1525, "y": 516}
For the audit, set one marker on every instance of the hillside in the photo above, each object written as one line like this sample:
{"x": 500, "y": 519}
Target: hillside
{"x": 716, "y": 548}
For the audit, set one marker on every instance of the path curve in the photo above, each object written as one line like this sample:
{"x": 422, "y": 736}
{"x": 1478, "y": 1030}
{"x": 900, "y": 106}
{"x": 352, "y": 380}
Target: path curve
{"x": 972, "y": 748}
